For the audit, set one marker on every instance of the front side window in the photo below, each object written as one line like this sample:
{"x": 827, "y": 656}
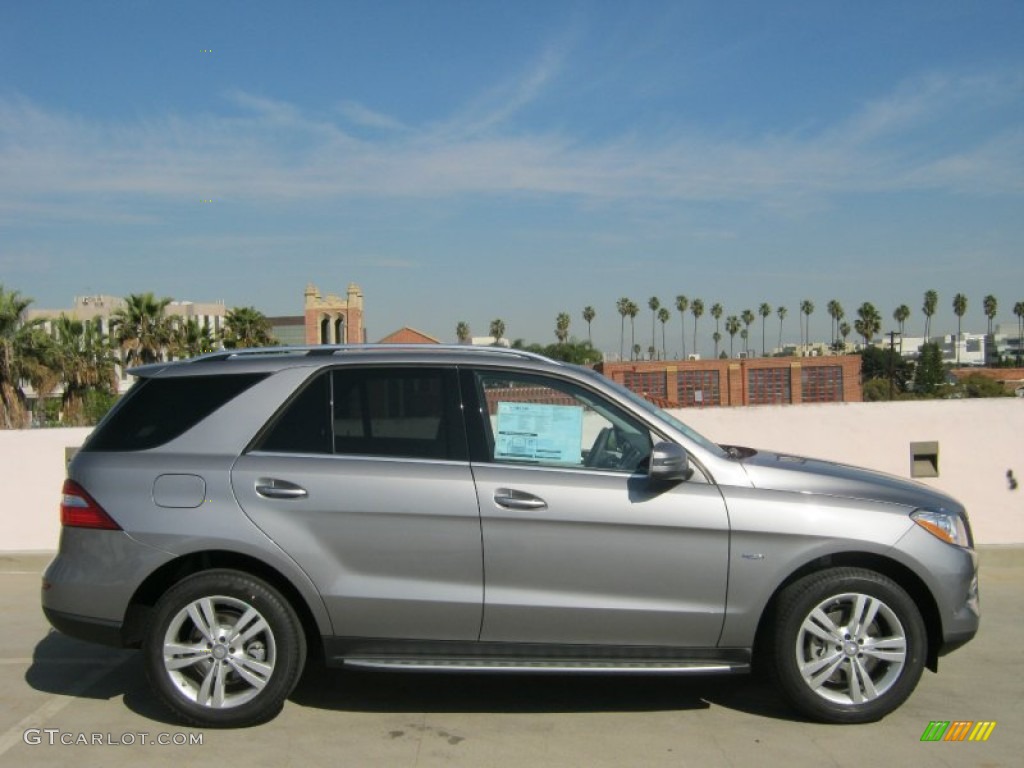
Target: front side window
{"x": 390, "y": 412}
{"x": 538, "y": 420}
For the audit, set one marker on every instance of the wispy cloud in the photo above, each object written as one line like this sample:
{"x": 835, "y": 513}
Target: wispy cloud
{"x": 263, "y": 151}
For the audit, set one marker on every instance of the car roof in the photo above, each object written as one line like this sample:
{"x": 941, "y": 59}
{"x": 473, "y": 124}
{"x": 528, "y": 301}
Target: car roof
{"x": 269, "y": 359}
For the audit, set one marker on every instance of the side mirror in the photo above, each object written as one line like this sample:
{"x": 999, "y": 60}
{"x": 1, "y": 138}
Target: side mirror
{"x": 669, "y": 463}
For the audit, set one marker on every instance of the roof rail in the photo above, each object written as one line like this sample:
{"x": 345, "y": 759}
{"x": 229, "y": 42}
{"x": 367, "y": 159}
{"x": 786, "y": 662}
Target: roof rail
{"x": 318, "y": 350}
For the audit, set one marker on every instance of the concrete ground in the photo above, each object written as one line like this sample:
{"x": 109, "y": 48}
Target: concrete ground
{"x": 53, "y": 688}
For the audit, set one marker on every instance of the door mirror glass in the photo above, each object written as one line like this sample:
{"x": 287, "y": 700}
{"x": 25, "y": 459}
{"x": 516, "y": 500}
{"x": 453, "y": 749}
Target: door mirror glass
{"x": 669, "y": 463}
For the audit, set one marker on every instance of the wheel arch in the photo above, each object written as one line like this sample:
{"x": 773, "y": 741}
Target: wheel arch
{"x": 898, "y": 572}
{"x": 157, "y": 583}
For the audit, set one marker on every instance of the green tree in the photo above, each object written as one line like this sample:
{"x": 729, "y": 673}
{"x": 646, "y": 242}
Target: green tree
{"x": 959, "y": 309}
{"x": 807, "y": 309}
{"x": 900, "y": 315}
{"x": 462, "y": 332}
{"x": 991, "y": 305}
{"x": 716, "y": 312}
{"x": 622, "y": 306}
{"x": 141, "y": 328}
{"x": 1018, "y": 310}
{"x": 696, "y": 309}
{"x": 588, "y": 317}
{"x": 497, "y": 330}
{"x": 732, "y": 326}
{"x": 868, "y": 322}
{"x": 26, "y": 355}
{"x": 878, "y": 363}
{"x": 191, "y": 338}
{"x": 835, "y": 311}
{"x": 86, "y": 364}
{"x": 246, "y": 327}
{"x": 977, "y": 385}
{"x": 654, "y": 304}
{"x": 931, "y": 303}
{"x": 682, "y": 304}
{"x": 664, "y": 316}
{"x": 562, "y": 327}
{"x": 781, "y": 312}
{"x": 633, "y": 310}
{"x": 844, "y": 331}
{"x": 929, "y": 373}
{"x": 717, "y": 338}
{"x": 747, "y": 316}
{"x": 765, "y": 310}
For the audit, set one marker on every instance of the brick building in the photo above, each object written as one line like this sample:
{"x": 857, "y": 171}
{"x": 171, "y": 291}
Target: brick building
{"x": 754, "y": 381}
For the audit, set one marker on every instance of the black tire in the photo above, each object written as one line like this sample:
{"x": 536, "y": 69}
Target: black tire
{"x": 836, "y": 668}
{"x": 235, "y": 675}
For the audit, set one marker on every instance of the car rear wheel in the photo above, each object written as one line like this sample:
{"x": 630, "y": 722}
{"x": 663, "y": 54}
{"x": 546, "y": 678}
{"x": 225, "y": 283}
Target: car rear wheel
{"x": 849, "y": 645}
{"x": 224, "y": 649}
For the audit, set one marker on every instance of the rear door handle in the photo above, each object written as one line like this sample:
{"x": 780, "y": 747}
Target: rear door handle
{"x": 509, "y": 498}
{"x": 269, "y": 488}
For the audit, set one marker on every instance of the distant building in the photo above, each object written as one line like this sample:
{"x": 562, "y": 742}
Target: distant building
{"x": 754, "y": 381}
{"x": 409, "y": 335}
{"x": 488, "y": 341}
{"x": 289, "y": 330}
{"x": 333, "y": 320}
{"x": 972, "y": 347}
{"x": 1001, "y": 347}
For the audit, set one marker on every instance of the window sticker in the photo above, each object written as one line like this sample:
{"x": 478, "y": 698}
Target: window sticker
{"x": 551, "y": 434}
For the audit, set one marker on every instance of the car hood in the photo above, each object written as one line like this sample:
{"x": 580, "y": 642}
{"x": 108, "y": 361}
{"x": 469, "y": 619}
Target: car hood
{"x": 785, "y": 472}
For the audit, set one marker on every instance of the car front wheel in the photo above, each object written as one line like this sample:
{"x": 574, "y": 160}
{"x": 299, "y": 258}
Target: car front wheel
{"x": 224, "y": 649}
{"x": 849, "y": 645}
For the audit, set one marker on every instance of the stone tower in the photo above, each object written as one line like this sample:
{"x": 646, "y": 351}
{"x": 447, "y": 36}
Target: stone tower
{"x": 333, "y": 320}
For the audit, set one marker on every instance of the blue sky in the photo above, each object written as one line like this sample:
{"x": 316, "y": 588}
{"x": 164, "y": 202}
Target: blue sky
{"x": 473, "y": 160}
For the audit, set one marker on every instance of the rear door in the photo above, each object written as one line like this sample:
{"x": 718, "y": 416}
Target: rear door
{"x": 363, "y": 479}
{"x": 579, "y": 547}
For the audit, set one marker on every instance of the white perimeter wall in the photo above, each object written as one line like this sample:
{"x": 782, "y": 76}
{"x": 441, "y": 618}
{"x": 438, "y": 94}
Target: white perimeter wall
{"x": 979, "y": 440}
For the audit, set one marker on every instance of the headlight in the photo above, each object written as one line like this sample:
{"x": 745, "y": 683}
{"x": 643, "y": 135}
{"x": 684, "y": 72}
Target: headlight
{"x": 948, "y": 526}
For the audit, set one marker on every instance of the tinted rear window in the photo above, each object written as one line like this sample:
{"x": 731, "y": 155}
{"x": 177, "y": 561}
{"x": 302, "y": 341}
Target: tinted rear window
{"x": 156, "y": 411}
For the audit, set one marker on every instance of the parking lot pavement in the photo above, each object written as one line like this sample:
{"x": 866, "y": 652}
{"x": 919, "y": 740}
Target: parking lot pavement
{"x": 54, "y": 689}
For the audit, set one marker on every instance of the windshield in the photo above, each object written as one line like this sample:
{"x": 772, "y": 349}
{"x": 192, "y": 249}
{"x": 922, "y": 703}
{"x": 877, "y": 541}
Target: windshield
{"x": 668, "y": 418}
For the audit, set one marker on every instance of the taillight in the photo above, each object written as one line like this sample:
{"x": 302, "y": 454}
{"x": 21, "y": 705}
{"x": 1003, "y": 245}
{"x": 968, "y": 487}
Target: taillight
{"x": 79, "y": 510}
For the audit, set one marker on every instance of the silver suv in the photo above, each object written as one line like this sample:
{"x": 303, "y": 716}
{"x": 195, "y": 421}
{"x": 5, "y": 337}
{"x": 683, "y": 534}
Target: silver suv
{"x": 451, "y": 508}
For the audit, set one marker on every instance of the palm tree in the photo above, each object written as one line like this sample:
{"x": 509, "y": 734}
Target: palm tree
{"x": 696, "y": 309}
{"x": 462, "y": 332}
{"x": 868, "y": 322}
{"x": 192, "y": 339}
{"x": 664, "y": 316}
{"x": 781, "y": 312}
{"x": 835, "y": 311}
{"x": 86, "y": 363}
{"x": 141, "y": 328}
{"x": 1018, "y": 310}
{"x": 653, "y": 304}
{"x": 622, "y": 305}
{"x": 562, "y": 327}
{"x": 900, "y": 315}
{"x": 588, "y": 317}
{"x": 682, "y": 304}
{"x": 991, "y": 305}
{"x": 716, "y": 312}
{"x": 633, "y": 310}
{"x": 844, "y": 331}
{"x": 497, "y": 330}
{"x": 246, "y": 327}
{"x": 765, "y": 310}
{"x": 806, "y": 309}
{"x": 747, "y": 316}
{"x": 931, "y": 302}
{"x": 717, "y": 338}
{"x": 959, "y": 309}
{"x": 26, "y": 355}
{"x": 732, "y": 325}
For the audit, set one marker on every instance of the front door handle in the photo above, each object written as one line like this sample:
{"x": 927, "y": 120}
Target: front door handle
{"x": 269, "y": 488}
{"x": 509, "y": 498}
